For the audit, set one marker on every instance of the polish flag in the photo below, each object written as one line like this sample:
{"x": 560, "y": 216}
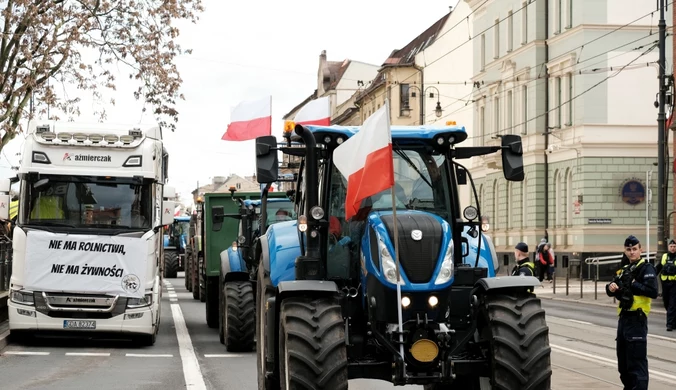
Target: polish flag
{"x": 177, "y": 211}
{"x": 250, "y": 120}
{"x": 365, "y": 160}
{"x": 316, "y": 112}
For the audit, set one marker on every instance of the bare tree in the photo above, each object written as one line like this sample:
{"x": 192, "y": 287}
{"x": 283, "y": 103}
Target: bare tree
{"x": 45, "y": 40}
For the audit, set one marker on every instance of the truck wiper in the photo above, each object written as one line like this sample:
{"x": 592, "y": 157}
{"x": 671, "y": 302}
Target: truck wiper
{"x": 46, "y": 223}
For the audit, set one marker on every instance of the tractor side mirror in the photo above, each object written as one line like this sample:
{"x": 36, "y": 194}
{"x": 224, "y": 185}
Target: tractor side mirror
{"x": 512, "y": 157}
{"x": 267, "y": 163}
{"x": 217, "y": 217}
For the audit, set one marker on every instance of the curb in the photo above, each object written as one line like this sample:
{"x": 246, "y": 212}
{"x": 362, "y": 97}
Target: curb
{"x": 653, "y": 310}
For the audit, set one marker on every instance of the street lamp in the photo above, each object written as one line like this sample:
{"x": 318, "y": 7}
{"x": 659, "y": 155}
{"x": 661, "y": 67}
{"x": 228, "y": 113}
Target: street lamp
{"x": 438, "y": 111}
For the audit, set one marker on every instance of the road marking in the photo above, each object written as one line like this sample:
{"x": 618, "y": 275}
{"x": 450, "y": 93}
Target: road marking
{"x": 173, "y": 300}
{"x": 149, "y": 355}
{"x": 173, "y": 295}
{"x": 87, "y": 354}
{"x": 596, "y": 358}
{"x": 191, "y": 367}
{"x": 25, "y": 353}
{"x": 580, "y": 322}
{"x": 223, "y": 355}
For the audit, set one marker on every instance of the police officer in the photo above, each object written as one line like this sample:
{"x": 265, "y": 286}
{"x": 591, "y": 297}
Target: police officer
{"x": 523, "y": 265}
{"x": 634, "y": 286}
{"x": 667, "y": 271}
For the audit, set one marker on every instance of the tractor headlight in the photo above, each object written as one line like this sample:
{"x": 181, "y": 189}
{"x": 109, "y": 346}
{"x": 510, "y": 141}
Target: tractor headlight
{"x": 387, "y": 263}
{"x": 446, "y": 270}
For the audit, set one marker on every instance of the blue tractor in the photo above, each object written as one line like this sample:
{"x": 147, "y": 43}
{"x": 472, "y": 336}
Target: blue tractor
{"x": 327, "y": 299}
{"x": 238, "y": 267}
{"x": 175, "y": 238}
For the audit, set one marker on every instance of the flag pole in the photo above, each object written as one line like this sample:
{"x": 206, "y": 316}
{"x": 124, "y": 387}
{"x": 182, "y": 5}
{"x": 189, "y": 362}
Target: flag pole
{"x": 396, "y": 260}
{"x": 396, "y": 256}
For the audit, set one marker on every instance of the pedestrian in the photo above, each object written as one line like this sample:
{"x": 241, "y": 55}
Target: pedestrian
{"x": 667, "y": 271}
{"x": 635, "y": 286}
{"x": 545, "y": 259}
{"x": 523, "y": 264}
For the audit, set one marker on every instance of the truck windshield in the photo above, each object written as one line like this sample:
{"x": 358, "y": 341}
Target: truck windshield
{"x": 419, "y": 181}
{"x": 86, "y": 202}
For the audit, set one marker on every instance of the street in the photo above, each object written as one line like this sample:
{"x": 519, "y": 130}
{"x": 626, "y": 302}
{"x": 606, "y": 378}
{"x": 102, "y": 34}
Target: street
{"x": 188, "y": 354}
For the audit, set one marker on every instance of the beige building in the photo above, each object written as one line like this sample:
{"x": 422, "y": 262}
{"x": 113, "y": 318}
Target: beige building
{"x": 399, "y": 80}
{"x": 222, "y": 184}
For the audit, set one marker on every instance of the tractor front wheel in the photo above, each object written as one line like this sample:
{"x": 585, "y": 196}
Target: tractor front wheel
{"x": 519, "y": 352}
{"x": 312, "y": 350}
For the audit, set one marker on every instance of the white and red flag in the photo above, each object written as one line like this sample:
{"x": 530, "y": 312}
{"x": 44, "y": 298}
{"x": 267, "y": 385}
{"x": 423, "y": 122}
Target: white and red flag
{"x": 316, "y": 112}
{"x": 249, "y": 120}
{"x": 365, "y": 160}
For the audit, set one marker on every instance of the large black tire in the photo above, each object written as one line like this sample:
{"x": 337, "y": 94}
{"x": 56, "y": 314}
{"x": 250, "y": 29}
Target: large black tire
{"x": 265, "y": 290}
{"x": 170, "y": 264}
{"x": 239, "y": 316}
{"x": 186, "y": 266}
{"x": 516, "y": 328}
{"x": 312, "y": 353}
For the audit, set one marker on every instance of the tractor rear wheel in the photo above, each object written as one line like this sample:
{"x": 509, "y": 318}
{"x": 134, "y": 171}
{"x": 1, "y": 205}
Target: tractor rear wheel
{"x": 170, "y": 264}
{"x": 519, "y": 352}
{"x": 239, "y": 316}
{"x": 312, "y": 352}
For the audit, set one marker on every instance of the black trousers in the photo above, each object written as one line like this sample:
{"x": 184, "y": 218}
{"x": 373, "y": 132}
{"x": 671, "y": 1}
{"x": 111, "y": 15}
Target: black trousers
{"x": 632, "y": 350}
{"x": 669, "y": 300}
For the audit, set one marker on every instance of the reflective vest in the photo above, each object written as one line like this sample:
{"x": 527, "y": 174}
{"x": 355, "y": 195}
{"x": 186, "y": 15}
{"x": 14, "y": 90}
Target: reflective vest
{"x": 528, "y": 264}
{"x": 668, "y": 268}
{"x": 47, "y": 207}
{"x": 640, "y": 301}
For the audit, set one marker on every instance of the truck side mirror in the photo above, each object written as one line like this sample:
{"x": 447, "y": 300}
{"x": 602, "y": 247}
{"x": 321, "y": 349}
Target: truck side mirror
{"x": 267, "y": 163}
{"x": 217, "y": 217}
{"x": 512, "y": 157}
{"x": 461, "y": 175}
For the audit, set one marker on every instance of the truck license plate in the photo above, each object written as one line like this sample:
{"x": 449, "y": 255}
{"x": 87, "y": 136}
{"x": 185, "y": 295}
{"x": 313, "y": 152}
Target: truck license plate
{"x": 79, "y": 324}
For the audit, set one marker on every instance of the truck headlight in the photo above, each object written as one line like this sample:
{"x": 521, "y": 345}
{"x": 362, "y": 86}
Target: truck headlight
{"x": 387, "y": 263}
{"x": 22, "y": 297}
{"x": 446, "y": 270}
{"x": 134, "y": 303}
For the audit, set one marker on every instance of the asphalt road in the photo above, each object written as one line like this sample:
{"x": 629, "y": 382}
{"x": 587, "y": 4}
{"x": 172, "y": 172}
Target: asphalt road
{"x": 188, "y": 354}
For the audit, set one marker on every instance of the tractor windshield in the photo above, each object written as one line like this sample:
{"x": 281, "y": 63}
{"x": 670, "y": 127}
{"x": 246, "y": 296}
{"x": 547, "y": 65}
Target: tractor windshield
{"x": 419, "y": 185}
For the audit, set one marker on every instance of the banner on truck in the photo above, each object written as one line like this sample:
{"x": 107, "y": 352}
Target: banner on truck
{"x": 86, "y": 263}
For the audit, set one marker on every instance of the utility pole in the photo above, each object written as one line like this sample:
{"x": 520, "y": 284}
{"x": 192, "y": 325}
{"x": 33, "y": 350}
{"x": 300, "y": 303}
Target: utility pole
{"x": 662, "y": 184}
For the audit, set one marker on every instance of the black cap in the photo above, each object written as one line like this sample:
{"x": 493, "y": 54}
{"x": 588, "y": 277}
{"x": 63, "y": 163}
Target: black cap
{"x": 672, "y": 242}
{"x": 631, "y": 241}
{"x": 522, "y": 247}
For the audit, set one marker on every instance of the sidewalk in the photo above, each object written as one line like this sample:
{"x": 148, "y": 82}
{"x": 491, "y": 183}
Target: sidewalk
{"x": 546, "y": 291}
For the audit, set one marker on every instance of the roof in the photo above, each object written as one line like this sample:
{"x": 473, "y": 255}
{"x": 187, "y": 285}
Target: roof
{"x": 336, "y": 71}
{"x": 406, "y": 55}
{"x": 401, "y": 132}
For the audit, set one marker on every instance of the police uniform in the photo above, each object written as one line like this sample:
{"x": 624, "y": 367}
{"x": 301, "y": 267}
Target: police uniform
{"x": 667, "y": 271}
{"x": 523, "y": 266}
{"x": 633, "y": 310}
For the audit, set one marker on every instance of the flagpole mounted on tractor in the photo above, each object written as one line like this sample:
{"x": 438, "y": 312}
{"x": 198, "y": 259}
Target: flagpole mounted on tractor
{"x": 366, "y": 161}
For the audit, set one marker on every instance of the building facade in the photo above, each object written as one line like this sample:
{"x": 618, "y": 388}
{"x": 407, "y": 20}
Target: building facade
{"x": 578, "y": 85}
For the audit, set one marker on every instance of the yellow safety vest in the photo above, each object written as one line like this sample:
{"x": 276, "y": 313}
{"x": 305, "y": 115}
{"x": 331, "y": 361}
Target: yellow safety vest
{"x": 662, "y": 275}
{"x": 47, "y": 207}
{"x": 640, "y": 301}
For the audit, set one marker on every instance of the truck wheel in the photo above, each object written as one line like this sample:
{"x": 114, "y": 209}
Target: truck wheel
{"x": 239, "y": 316}
{"x": 517, "y": 332}
{"x": 264, "y": 291}
{"x": 312, "y": 350}
{"x": 170, "y": 264}
{"x": 186, "y": 277}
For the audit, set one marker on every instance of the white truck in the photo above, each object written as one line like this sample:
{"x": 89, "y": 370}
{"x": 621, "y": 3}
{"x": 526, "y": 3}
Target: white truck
{"x": 88, "y": 246}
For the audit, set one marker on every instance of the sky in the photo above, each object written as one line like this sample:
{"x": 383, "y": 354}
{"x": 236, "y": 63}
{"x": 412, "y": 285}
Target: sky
{"x": 248, "y": 50}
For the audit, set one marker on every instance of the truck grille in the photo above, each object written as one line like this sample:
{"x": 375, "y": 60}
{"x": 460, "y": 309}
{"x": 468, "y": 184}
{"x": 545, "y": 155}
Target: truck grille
{"x": 418, "y": 258}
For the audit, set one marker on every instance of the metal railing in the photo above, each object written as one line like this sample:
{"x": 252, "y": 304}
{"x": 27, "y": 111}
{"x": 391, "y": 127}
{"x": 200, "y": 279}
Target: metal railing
{"x": 596, "y": 262}
{"x": 5, "y": 262}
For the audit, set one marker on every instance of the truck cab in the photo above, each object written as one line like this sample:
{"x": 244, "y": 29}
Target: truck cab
{"x": 88, "y": 241}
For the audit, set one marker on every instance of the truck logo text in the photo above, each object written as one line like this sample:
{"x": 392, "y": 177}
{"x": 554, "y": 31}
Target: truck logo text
{"x": 86, "y": 157}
